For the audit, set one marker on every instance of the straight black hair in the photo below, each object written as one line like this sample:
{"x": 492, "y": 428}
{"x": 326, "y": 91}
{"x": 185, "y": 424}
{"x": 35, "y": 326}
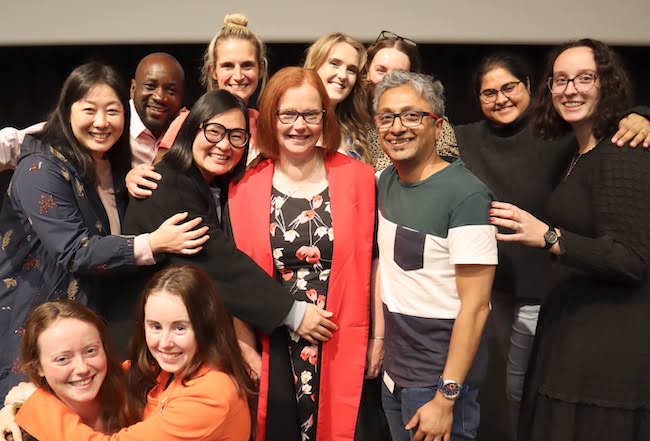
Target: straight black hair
{"x": 210, "y": 104}
{"x": 58, "y": 130}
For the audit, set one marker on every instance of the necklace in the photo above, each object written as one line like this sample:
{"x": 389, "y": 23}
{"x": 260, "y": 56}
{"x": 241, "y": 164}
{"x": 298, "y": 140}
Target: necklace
{"x": 304, "y": 181}
{"x": 574, "y": 161}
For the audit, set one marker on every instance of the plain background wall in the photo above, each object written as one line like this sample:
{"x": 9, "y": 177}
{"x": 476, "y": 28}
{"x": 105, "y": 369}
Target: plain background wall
{"x": 30, "y": 22}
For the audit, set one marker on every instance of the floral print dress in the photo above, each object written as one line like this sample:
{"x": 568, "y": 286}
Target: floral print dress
{"x": 302, "y": 238}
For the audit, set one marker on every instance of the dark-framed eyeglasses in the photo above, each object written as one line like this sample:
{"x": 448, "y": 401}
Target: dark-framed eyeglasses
{"x": 583, "y": 82}
{"x": 489, "y": 96}
{"x": 408, "y": 118}
{"x": 215, "y": 132}
{"x": 311, "y": 117}
{"x": 388, "y": 35}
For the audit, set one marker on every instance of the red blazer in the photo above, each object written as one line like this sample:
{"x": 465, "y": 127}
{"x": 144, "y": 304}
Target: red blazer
{"x": 352, "y": 196}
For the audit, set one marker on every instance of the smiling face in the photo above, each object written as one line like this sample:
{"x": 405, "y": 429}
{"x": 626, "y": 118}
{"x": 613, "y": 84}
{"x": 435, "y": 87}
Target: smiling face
{"x": 72, "y": 360}
{"x": 409, "y": 146}
{"x": 505, "y": 109}
{"x": 573, "y": 106}
{"x": 236, "y": 68}
{"x": 97, "y": 119}
{"x": 385, "y": 61}
{"x": 157, "y": 91}
{"x": 220, "y": 158}
{"x": 168, "y": 331}
{"x": 339, "y": 71}
{"x": 299, "y": 138}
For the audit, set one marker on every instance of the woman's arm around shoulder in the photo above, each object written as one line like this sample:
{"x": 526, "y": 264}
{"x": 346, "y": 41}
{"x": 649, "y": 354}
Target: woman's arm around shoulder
{"x": 207, "y": 408}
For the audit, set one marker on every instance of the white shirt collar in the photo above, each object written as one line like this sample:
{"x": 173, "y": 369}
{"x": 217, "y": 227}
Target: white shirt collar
{"x": 137, "y": 126}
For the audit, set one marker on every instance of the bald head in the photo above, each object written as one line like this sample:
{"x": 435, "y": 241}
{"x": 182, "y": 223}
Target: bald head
{"x": 157, "y": 90}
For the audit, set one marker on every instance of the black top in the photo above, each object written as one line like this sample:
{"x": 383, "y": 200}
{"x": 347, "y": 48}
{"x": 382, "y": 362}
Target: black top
{"x": 521, "y": 169}
{"x": 593, "y": 333}
{"x": 248, "y": 292}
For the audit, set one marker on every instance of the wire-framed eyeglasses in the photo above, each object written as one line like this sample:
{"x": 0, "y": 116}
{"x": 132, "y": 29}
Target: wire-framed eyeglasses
{"x": 408, "y": 118}
{"x": 215, "y": 132}
{"x": 489, "y": 96}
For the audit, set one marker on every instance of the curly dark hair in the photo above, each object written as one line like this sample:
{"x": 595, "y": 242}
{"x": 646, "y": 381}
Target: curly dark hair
{"x": 615, "y": 93}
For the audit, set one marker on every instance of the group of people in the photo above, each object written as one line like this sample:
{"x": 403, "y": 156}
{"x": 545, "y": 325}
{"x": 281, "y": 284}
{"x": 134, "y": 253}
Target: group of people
{"x": 320, "y": 263}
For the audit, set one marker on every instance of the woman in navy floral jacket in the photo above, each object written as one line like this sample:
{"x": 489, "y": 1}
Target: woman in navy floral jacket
{"x": 60, "y": 224}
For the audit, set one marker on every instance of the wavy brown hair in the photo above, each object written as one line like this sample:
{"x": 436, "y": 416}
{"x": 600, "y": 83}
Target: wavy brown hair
{"x": 112, "y": 395}
{"x": 216, "y": 343}
{"x": 615, "y": 93}
{"x": 352, "y": 111}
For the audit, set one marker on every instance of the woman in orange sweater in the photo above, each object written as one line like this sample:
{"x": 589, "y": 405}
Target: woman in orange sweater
{"x": 188, "y": 379}
{"x": 66, "y": 351}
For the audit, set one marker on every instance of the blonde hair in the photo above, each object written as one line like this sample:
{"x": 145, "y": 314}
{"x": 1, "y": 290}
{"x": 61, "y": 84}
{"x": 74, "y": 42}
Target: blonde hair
{"x": 235, "y": 26}
{"x": 352, "y": 112}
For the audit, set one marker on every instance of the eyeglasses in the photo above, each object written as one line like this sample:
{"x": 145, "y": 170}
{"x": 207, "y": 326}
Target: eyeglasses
{"x": 215, "y": 132}
{"x": 408, "y": 118}
{"x": 388, "y": 35}
{"x": 311, "y": 117}
{"x": 582, "y": 82}
{"x": 489, "y": 96}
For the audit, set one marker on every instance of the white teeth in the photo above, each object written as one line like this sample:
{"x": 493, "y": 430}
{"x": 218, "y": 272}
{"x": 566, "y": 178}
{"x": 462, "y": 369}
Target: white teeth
{"x": 81, "y": 383}
{"x": 99, "y": 135}
{"x": 572, "y": 104}
{"x": 219, "y": 156}
{"x": 399, "y": 141}
{"x": 168, "y": 357}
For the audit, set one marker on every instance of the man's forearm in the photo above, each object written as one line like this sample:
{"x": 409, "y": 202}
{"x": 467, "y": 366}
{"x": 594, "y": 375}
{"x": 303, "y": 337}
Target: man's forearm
{"x": 465, "y": 339}
{"x": 474, "y": 285}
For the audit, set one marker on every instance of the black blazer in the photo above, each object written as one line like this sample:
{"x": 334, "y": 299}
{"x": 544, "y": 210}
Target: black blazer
{"x": 248, "y": 292}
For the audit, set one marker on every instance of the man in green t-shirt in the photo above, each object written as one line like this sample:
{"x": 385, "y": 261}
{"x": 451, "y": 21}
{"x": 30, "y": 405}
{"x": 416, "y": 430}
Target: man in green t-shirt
{"x": 437, "y": 257}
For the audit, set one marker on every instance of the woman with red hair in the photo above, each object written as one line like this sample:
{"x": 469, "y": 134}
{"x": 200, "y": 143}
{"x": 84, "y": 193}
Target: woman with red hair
{"x": 313, "y": 195}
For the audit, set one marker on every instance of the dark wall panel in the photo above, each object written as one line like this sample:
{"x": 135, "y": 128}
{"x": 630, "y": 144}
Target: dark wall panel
{"x": 32, "y": 76}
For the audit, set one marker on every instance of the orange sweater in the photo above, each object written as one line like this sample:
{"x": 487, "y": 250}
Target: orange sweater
{"x": 207, "y": 408}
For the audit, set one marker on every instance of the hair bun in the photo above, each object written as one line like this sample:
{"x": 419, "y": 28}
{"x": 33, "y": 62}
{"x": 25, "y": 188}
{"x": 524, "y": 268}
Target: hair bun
{"x": 235, "y": 19}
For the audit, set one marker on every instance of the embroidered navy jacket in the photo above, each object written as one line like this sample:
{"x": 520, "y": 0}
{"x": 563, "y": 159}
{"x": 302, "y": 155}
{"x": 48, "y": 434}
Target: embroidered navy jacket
{"x": 56, "y": 243}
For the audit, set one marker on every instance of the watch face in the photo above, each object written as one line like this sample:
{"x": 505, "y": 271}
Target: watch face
{"x": 550, "y": 237}
{"x": 450, "y": 390}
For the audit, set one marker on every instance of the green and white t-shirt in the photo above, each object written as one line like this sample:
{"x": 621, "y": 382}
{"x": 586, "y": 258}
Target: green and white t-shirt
{"x": 424, "y": 230}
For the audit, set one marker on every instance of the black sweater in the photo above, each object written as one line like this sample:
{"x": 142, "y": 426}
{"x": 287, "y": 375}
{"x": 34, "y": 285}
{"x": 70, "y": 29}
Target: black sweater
{"x": 521, "y": 169}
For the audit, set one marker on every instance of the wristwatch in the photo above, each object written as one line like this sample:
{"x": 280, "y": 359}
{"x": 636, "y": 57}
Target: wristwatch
{"x": 550, "y": 237}
{"x": 449, "y": 389}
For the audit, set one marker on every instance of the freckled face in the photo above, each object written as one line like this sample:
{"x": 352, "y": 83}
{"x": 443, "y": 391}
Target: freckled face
{"x": 72, "y": 360}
